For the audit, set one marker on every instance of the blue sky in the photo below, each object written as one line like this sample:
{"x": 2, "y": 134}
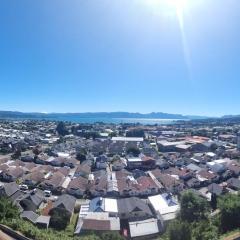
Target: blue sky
{"x": 120, "y": 55}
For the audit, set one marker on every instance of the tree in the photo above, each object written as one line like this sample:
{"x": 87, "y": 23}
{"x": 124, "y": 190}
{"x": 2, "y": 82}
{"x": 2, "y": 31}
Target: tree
{"x": 179, "y": 230}
{"x": 193, "y": 207}
{"x": 17, "y": 154}
{"x": 214, "y": 201}
{"x": 204, "y": 230}
{"x": 135, "y": 133}
{"x": 91, "y": 134}
{"x": 81, "y": 156}
{"x": 7, "y": 209}
{"x": 213, "y": 147}
{"x": 59, "y": 219}
{"x": 113, "y": 134}
{"x": 61, "y": 129}
{"x": 134, "y": 151}
{"x": 37, "y": 150}
{"x": 229, "y": 206}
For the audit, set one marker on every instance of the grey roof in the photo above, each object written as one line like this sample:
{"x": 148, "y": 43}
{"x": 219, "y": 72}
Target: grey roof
{"x": 215, "y": 188}
{"x": 208, "y": 144}
{"x": 193, "y": 167}
{"x": 67, "y": 201}
{"x": 17, "y": 195}
{"x": 37, "y": 197}
{"x": 10, "y": 188}
{"x": 29, "y": 215}
{"x": 128, "y": 205}
{"x": 234, "y": 182}
{"x": 43, "y": 220}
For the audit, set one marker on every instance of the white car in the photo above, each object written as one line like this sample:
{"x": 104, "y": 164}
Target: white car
{"x": 47, "y": 193}
{"x": 55, "y": 198}
{"x": 23, "y": 187}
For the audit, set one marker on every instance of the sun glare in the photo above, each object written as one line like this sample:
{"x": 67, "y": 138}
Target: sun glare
{"x": 167, "y": 5}
{"x": 176, "y": 9}
{"x": 178, "y": 4}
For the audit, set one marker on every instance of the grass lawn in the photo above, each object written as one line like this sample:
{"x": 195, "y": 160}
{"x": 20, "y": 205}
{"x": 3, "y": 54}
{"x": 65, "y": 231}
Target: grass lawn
{"x": 71, "y": 227}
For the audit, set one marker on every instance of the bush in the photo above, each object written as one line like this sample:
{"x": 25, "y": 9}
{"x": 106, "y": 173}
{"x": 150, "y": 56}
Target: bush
{"x": 193, "y": 207}
{"x": 229, "y": 206}
{"x": 7, "y": 209}
{"x": 179, "y": 230}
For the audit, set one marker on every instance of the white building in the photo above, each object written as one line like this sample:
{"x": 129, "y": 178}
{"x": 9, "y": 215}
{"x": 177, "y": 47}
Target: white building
{"x": 143, "y": 228}
{"x": 164, "y": 206}
{"x": 127, "y": 139}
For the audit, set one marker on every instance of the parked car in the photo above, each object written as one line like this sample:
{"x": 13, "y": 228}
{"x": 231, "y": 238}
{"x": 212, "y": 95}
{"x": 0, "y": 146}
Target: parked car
{"x": 47, "y": 193}
{"x": 23, "y": 187}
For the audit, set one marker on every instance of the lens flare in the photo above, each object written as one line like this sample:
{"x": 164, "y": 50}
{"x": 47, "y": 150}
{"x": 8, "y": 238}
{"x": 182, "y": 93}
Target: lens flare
{"x": 174, "y": 8}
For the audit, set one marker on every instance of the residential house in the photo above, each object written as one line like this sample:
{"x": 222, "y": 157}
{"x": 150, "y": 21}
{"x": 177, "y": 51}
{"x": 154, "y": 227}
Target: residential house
{"x": 98, "y": 187}
{"x": 183, "y": 173}
{"x": 98, "y": 223}
{"x": 33, "y": 179}
{"x": 64, "y": 203}
{"x": 234, "y": 167}
{"x": 147, "y": 186}
{"x": 83, "y": 170}
{"x": 119, "y": 165}
{"x": 141, "y": 162}
{"x": 39, "y": 221}
{"x": 53, "y": 183}
{"x": 206, "y": 177}
{"x": 216, "y": 189}
{"x": 101, "y": 162}
{"x": 234, "y": 183}
{"x": 9, "y": 189}
{"x": 170, "y": 183}
{"x": 12, "y": 174}
{"x": 193, "y": 183}
{"x": 165, "y": 207}
{"x": 133, "y": 208}
{"x": 31, "y": 201}
{"x": 77, "y": 187}
{"x": 42, "y": 159}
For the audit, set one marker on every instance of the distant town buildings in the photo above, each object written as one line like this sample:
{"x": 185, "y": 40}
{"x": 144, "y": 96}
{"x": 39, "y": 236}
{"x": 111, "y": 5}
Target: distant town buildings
{"x": 131, "y": 174}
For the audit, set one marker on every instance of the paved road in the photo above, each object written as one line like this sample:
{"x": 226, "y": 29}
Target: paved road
{"x": 4, "y": 236}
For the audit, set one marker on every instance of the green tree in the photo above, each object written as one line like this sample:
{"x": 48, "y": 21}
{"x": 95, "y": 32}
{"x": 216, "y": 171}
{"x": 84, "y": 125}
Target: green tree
{"x": 59, "y": 219}
{"x": 81, "y": 155}
{"x": 37, "y": 150}
{"x": 17, "y": 153}
{"x": 61, "y": 129}
{"x": 7, "y": 209}
{"x": 179, "y": 230}
{"x": 204, "y": 230}
{"x": 113, "y": 134}
{"x": 193, "y": 207}
{"x": 229, "y": 206}
{"x": 135, "y": 133}
{"x": 214, "y": 201}
{"x": 134, "y": 151}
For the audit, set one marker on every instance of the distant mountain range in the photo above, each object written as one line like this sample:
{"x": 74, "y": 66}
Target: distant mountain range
{"x": 231, "y": 116}
{"x": 100, "y": 115}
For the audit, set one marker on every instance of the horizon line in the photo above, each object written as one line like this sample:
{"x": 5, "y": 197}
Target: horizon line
{"x": 131, "y": 112}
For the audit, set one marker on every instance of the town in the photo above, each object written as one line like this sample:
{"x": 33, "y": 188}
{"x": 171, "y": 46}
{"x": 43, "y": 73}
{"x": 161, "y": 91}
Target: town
{"x": 122, "y": 178}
